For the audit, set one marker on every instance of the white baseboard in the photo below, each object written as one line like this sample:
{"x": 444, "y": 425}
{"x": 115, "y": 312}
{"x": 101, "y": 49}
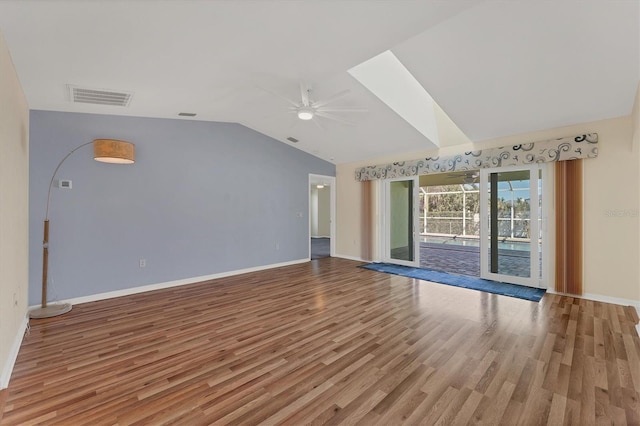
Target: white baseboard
{"x": 605, "y": 299}
{"x": 344, "y": 256}
{"x": 614, "y": 300}
{"x": 602, "y": 298}
{"x": 176, "y": 283}
{"x": 7, "y": 368}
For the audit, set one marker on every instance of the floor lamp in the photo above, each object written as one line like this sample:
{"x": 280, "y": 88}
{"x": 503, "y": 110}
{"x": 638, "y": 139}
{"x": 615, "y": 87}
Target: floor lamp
{"x": 107, "y": 151}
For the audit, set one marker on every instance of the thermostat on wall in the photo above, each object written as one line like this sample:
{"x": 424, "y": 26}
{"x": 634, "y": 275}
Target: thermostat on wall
{"x": 64, "y": 184}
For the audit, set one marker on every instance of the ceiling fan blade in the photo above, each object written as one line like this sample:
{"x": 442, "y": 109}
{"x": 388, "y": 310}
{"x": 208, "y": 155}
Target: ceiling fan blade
{"x": 304, "y": 94}
{"x": 319, "y": 124}
{"x": 335, "y": 118}
{"x": 293, "y": 122}
{"x": 330, "y": 99}
{"x": 278, "y": 95}
{"x": 341, "y": 109}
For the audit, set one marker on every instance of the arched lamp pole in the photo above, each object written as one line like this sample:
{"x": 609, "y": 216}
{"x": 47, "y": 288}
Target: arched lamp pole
{"x": 106, "y": 151}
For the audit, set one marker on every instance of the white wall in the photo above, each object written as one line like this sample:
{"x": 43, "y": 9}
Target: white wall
{"x": 635, "y": 117}
{"x": 635, "y": 125}
{"x": 313, "y": 210}
{"x": 14, "y": 212}
{"x": 324, "y": 212}
{"x": 611, "y": 219}
{"x": 320, "y": 211}
{"x": 611, "y": 223}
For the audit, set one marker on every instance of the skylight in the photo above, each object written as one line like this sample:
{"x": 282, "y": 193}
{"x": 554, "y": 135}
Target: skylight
{"x": 386, "y": 77}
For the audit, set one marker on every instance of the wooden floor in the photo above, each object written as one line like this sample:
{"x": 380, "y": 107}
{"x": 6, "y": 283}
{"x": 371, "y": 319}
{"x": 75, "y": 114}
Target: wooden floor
{"x": 327, "y": 342}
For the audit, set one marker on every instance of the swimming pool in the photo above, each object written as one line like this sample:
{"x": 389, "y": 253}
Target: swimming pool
{"x": 473, "y": 242}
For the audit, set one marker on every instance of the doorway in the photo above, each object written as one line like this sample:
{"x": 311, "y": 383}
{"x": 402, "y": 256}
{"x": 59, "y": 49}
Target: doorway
{"x": 482, "y": 223}
{"x": 401, "y": 244}
{"x": 450, "y": 222}
{"x": 401, "y": 210}
{"x": 321, "y": 214}
{"x": 511, "y": 225}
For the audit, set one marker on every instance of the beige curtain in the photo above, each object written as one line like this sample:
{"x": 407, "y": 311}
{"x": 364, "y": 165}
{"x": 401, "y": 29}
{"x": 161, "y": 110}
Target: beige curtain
{"x": 568, "y": 202}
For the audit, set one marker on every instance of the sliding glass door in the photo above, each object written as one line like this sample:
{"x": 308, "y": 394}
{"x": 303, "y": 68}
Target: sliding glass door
{"x": 510, "y": 237}
{"x": 401, "y": 201}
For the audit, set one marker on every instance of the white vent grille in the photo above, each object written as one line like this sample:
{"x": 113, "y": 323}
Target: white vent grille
{"x": 99, "y": 96}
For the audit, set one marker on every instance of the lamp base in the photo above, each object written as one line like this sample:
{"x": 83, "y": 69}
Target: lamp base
{"x": 50, "y": 311}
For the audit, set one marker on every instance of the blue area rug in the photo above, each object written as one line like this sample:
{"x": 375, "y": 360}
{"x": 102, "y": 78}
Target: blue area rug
{"x": 505, "y": 289}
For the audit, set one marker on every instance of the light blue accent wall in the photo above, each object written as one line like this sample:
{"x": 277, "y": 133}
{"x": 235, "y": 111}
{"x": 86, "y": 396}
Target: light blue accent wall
{"x": 202, "y": 198}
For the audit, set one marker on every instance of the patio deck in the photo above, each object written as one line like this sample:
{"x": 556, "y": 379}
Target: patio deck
{"x": 465, "y": 260}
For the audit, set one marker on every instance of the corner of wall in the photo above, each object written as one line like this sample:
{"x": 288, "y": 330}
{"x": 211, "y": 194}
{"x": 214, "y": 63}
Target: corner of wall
{"x": 635, "y": 147}
{"x": 7, "y": 368}
{"x": 14, "y": 215}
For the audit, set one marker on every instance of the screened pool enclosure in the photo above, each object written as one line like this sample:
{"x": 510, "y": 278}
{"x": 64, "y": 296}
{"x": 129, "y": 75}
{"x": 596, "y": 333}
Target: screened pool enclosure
{"x": 449, "y": 222}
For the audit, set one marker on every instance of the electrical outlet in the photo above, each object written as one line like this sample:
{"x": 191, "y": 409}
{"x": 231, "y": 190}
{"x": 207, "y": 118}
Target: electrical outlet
{"x": 143, "y": 263}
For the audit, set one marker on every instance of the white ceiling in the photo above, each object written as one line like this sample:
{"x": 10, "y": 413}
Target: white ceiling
{"x": 497, "y": 68}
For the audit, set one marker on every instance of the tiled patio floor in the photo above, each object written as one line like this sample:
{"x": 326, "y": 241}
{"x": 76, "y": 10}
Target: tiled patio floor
{"x": 465, "y": 260}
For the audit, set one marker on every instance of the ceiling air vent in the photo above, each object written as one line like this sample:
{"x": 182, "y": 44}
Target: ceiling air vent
{"x": 187, "y": 114}
{"x": 99, "y": 96}
{"x": 292, "y": 139}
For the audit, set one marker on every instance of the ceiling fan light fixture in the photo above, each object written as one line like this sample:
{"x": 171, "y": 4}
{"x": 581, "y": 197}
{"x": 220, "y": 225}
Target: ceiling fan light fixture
{"x": 470, "y": 178}
{"x": 305, "y": 113}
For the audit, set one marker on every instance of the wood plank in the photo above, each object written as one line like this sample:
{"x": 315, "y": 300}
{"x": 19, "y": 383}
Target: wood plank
{"x": 326, "y": 342}
{"x": 3, "y": 401}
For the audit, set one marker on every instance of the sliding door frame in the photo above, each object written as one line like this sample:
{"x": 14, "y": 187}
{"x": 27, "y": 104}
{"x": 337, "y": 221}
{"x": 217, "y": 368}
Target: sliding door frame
{"x": 386, "y": 222}
{"x": 535, "y": 279}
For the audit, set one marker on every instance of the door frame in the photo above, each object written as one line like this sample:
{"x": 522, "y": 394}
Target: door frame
{"x": 386, "y": 243}
{"x": 331, "y": 181}
{"x": 534, "y": 280}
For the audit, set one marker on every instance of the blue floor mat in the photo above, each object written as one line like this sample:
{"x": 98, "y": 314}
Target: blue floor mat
{"x": 505, "y": 289}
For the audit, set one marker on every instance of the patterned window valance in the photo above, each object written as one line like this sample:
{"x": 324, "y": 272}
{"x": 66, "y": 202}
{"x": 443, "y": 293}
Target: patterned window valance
{"x": 583, "y": 146}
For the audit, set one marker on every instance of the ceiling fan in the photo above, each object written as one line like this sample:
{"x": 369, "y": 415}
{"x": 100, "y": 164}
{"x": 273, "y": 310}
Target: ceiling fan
{"x": 308, "y": 108}
{"x": 469, "y": 177}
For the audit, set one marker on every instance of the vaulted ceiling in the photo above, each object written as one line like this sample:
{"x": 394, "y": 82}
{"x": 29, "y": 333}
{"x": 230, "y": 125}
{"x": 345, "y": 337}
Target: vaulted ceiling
{"x": 496, "y": 68}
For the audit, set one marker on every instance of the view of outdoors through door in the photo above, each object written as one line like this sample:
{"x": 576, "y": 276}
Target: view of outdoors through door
{"x": 510, "y": 225}
{"x": 451, "y": 223}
